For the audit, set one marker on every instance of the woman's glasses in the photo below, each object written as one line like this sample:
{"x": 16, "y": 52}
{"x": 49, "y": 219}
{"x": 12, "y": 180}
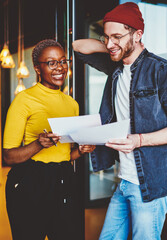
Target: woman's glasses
{"x": 53, "y": 64}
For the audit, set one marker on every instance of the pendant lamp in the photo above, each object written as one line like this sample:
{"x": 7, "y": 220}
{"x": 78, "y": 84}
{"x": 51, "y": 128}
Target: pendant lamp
{"x": 20, "y": 87}
{"x": 22, "y": 71}
{"x": 5, "y": 56}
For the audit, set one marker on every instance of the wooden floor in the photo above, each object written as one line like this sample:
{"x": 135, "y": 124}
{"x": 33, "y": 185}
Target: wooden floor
{"x": 5, "y": 233}
{"x": 93, "y": 217}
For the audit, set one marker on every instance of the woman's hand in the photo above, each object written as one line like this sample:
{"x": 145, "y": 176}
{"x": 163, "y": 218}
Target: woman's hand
{"x": 78, "y": 152}
{"x": 125, "y": 145}
{"x": 47, "y": 140}
{"x": 86, "y": 149}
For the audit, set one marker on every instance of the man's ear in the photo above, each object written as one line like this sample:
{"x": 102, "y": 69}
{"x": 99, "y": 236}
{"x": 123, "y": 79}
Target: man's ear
{"x": 138, "y": 35}
{"x": 37, "y": 70}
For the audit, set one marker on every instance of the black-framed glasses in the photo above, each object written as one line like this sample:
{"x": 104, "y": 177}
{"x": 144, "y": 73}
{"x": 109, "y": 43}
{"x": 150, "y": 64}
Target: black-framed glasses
{"x": 114, "y": 38}
{"x": 53, "y": 64}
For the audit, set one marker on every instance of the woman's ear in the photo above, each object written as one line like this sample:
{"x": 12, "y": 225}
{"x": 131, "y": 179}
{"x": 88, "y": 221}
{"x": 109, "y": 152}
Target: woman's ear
{"x": 37, "y": 70}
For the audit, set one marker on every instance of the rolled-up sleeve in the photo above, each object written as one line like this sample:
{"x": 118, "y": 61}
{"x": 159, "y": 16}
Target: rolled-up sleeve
{"x": 100, "y": 61}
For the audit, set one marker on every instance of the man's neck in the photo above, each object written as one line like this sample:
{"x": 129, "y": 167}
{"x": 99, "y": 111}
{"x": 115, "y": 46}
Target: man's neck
{"x": 131, "y": 59}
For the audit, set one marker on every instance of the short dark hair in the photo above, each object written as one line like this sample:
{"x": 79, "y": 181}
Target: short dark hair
{"x": 131, "y": 29}
{"x": 36, "y": 52}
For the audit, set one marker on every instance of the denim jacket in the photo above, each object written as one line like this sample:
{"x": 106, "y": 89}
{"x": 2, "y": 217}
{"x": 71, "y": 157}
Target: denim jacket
{"x": 148, "y": 113}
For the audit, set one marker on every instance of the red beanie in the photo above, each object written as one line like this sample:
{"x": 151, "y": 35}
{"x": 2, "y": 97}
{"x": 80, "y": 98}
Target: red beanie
{"x": 127, "y": 13}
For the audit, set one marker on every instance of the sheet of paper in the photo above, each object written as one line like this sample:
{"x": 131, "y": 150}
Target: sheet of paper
{"x": 66, "y": 139}
{"x": 67, "y": 125}
{"x": 101, "y": 134}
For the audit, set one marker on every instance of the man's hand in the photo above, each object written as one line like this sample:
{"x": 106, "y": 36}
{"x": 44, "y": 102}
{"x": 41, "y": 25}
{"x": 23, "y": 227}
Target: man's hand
{"x": 125, "y": 145}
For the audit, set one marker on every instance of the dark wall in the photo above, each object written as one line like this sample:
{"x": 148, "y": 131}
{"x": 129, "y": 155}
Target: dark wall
{"x": 97, "y": 9}
{"x": 38, "y": 18}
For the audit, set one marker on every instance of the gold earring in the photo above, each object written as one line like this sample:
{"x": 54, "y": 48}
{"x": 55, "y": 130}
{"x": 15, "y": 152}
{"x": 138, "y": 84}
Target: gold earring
{"x": 38, "y": 77}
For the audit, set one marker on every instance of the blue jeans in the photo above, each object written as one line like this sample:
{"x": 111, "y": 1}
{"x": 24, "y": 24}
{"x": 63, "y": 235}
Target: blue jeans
{"x": 128, "y": 212}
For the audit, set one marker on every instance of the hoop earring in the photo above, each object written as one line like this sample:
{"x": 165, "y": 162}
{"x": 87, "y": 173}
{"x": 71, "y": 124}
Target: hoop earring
{"x": 38, "y": 78}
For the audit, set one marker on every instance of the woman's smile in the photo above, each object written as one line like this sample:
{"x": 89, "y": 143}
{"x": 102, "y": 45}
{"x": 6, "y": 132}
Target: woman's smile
{"x": 52, "y": 78}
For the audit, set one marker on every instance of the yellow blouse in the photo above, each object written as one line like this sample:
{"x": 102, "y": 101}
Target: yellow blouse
{"x": 27, "y": 118}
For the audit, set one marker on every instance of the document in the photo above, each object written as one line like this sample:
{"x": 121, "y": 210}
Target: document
{"x": 88, "y": 129}
{"x": 65, "y": 126}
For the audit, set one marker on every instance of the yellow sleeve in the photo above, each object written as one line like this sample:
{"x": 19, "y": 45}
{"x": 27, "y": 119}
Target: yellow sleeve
{"x": 77, "y": 109}
{"x": 75, "y": 106}
{"x": 15, "y": 122}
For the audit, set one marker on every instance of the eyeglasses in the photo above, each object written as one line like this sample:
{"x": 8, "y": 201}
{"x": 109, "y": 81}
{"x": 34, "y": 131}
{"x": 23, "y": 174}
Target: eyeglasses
{"x": 114, "y": 38}
{"x": 53, "y": 64}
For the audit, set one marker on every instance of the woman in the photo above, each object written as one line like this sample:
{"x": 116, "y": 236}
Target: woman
{"x": 39, "y": 190}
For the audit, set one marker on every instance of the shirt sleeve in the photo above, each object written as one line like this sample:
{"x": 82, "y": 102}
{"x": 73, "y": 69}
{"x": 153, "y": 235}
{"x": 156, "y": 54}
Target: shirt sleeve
{"x": 100, "y": 61}
{"x": 76, "y": 107}
{"x": 162, "y": 77}
{"x": 15, "y": 122}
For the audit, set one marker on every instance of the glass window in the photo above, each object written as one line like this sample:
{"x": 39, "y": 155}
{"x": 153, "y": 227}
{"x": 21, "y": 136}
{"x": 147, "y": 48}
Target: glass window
{"x": 155, "y": 33}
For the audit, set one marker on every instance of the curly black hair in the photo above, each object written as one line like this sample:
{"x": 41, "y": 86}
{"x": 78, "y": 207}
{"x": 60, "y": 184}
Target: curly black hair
{"x": 41, "y": 46}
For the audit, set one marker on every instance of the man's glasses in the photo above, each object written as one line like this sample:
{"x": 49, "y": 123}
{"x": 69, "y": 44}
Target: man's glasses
{"x": 53, "y": 64}
{"x": 114, "y": 38}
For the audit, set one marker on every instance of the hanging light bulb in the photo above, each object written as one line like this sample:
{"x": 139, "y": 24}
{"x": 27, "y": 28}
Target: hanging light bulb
{"x": 69, "y": 72}
{"x": 20, "y": 87}
{"x": 8, "y": 62}
{"x": 22, "y": 71}
{"x": 65, "y": 90}
{"x": 4, "y": 52}
{"x": 6, "y": 58}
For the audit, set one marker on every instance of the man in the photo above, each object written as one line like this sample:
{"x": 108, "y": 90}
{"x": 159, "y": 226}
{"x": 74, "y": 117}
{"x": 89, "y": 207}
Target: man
{"x": 137, "y": 89}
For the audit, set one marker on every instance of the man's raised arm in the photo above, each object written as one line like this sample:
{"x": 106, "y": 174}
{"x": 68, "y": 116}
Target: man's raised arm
{"x": 88, "y": 46}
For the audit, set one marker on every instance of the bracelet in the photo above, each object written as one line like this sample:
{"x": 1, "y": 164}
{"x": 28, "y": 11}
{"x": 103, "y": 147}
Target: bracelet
{"x": 141, "y": 138}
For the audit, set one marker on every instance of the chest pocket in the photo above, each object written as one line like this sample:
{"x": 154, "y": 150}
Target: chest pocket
{"x": 145, "y": 93}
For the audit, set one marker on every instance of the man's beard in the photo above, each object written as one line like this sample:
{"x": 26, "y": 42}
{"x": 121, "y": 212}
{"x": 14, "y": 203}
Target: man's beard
{"x": 125, "y": 52}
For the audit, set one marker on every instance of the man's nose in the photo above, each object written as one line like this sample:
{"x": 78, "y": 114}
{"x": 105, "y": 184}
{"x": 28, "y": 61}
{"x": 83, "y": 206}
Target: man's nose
{"x": 110, "y": 44}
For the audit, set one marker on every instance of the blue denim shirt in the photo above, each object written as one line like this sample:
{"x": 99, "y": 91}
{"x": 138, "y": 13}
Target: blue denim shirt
{"x": 148, "y": 113}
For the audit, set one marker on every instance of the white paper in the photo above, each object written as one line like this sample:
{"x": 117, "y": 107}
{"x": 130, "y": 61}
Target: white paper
{"x": 100, "y": 135}
{"x": 88, "y": 129}
{"x": 67, "y": 125}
